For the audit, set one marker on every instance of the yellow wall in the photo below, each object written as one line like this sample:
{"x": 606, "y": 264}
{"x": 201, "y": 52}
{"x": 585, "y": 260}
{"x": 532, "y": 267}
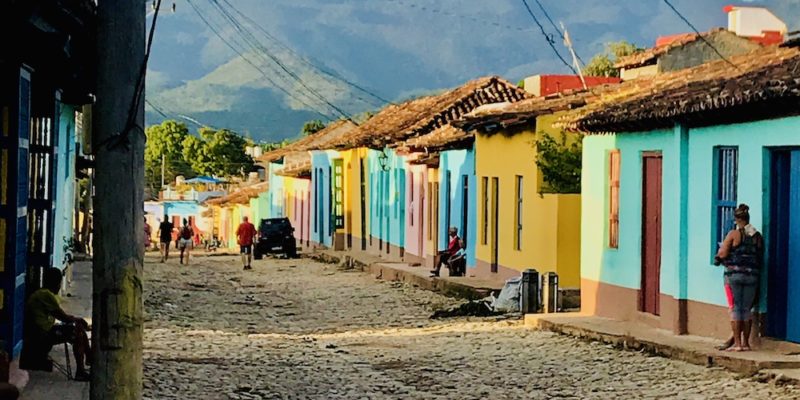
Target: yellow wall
{"x": 352, "y": 193}
{"x": 430, "y": 210}
{"x": 550, "y": 239}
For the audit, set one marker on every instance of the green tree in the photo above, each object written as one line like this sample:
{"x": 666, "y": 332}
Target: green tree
{"x": 165, "y": 141}
{"x": 217, "y": 153}
{"x": 560, "y": 163}
{"x": 311, "y": 127}
{"x": 603, "y": 64}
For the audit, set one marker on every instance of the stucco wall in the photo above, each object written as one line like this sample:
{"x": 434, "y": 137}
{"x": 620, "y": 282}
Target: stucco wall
{"x": 693, "y": 278}
{"x": 698, "y": 52}
{"x": 64, "y": 184}
{"x": 416, "y": 213}
{"x": 460, "y": 164}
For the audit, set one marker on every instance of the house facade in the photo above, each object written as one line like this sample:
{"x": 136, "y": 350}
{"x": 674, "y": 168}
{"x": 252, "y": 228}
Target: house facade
{"x": 658, "y": 195}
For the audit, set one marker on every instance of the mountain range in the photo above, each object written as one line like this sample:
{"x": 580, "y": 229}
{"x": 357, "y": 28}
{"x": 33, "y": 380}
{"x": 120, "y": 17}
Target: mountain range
{"x": 394, "y": 49}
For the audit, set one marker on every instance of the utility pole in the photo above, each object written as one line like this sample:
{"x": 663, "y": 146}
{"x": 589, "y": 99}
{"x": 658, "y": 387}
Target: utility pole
{"x": 575, "y": 62}
{"x": 119, "y": 177}
{"x": 163, "y": 156}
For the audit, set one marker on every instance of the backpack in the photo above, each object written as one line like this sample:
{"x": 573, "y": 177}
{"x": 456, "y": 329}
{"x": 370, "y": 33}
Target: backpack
{"x": 186, "y": 233}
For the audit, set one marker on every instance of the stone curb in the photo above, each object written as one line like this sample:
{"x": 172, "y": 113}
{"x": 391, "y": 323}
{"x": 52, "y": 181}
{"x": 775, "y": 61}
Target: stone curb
{"x": 625, "y": 342}
{"x": 384, "y": 271}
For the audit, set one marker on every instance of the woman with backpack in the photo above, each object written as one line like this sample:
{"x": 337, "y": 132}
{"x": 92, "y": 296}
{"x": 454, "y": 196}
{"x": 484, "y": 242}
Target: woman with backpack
{"x": 185, "y": 240}
{"x": 742, "y": 255}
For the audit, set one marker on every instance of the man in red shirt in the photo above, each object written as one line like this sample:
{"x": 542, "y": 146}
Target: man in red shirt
{"x": 452, "y": 252}
{"x": 245, "y": 235}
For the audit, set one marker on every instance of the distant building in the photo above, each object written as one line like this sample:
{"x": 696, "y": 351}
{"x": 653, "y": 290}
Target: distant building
{"x": 749, "y": 28}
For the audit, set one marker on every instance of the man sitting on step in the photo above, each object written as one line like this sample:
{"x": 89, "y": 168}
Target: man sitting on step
{"x": 42, "y": 332}
{"x": 453, "y": 253}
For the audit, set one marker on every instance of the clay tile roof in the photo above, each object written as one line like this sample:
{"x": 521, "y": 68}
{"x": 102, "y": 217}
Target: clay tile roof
{"x": 240, "y": 196}
{"x": 445, "y": 138}
{"x": 299, "y": 170}
{"x": 316, "y": 141}
{"x": 396, "y": 123}
{"x": 764, "y": 84}
{"x": 648, "y": 56}
{"x": 495, "y": 116}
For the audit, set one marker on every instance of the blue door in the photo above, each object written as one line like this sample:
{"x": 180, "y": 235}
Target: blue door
{"x": 783, "y": 260}
{"x": 13, "y": 212}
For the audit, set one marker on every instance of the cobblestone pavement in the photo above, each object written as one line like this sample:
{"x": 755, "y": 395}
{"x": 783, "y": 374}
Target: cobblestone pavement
{"x": 296, "y": 329}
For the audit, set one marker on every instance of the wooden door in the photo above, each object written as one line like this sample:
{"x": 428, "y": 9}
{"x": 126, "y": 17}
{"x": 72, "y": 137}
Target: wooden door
{"x": 651, "y": 234}
{"x": 494, "y": 224}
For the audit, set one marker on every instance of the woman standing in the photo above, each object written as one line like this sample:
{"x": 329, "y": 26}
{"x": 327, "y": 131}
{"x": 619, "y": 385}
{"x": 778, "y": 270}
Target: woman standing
{"x": 742, "y": 254}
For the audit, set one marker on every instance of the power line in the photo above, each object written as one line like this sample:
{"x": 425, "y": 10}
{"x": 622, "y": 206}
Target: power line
{"x": 442, "y": 11}
{"x": 306, "y": 60}
{"x": 547, "y": 37}
{"x": 247, "y": 60}
{"x": 700, "y": 35}
{"x": 243, "y": 30}
{"x": 560, "y": 34}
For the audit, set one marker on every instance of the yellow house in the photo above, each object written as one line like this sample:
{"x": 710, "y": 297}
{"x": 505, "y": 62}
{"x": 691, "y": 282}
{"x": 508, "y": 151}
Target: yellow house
{"x": 520, "y": 224}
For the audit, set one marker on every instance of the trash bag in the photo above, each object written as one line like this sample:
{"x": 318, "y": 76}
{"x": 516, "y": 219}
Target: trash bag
{"x": 509, "y": 299}
{"x": 476, "y": 308}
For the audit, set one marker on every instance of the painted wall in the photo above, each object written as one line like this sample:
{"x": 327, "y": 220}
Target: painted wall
{"x": 321, "y": 196}
{"x": 458, "y": 164}
{"x": 64, "y": 177}
{"x": 431, "y": 223}
{"x": 416, "y": 209}
{"x": 275, "y": 194}
{"x": 550, "y": 235}
{"x": 352, "y": 191}
{"x": 298, "y": 204}
{"x": 687, "y": 271}
{"x": 387, "y": 200}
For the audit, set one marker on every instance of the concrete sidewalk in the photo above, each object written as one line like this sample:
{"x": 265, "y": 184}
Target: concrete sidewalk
{"x": 457, "y": 286}
{"x": 76, "y": 300}
{"x": 770, "y": 357}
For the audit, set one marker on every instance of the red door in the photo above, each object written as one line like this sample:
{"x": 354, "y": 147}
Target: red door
{"x": 651, "y": 234}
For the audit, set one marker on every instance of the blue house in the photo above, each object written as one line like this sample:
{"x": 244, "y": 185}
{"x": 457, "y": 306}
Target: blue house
{"x": 658, "y": 195}
{"x": 44, "y": 81}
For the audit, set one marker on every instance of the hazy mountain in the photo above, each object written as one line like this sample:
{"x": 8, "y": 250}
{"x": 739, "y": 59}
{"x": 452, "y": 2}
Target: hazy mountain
{"x": 397, "y": 48}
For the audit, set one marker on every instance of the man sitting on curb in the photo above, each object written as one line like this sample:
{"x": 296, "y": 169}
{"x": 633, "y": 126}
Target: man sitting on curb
{"x": 451, "y": 254}
{"x": 42, "y": 333}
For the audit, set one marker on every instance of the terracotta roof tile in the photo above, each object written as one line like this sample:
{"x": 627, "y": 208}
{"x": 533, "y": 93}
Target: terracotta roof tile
{"x": 764, "y": 84}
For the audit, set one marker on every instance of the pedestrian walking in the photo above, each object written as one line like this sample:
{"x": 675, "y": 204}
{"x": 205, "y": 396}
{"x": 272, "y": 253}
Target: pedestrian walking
{"x": 742, "y": 253}
{"x": 148, "y": 231}
{"x": 165, "y": 237}
{"x": 245, "y": 234}
{"x": 185, "y": 240}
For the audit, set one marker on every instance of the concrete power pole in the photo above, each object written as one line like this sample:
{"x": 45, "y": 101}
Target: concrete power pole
{"x": 118, "y": 241}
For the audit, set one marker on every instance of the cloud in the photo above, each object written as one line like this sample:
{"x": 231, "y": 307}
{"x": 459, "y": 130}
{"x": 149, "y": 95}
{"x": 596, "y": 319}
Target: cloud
{"x": 184, "y": 38}
{"x": 156, "y": 80}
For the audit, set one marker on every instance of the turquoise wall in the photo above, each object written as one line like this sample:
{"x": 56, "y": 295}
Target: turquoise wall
{"x": 321, "y": 229}
{"x": 387, "y": 206}
{"x": 687, "y": 271}
{"x": 459, "y": 163}
{"x": 64, "y": 183}
{"x": 274, "y": 198}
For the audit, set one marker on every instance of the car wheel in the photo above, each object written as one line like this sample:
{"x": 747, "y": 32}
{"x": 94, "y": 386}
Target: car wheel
{"x": 257, "y": 255}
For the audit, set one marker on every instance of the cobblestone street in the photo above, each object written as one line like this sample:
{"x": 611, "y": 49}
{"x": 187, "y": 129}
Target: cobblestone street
{"x": 296, "y": 329}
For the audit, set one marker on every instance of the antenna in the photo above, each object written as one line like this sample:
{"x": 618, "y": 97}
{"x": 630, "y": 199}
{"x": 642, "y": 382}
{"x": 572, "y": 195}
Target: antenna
{"x": 575, "y": 62}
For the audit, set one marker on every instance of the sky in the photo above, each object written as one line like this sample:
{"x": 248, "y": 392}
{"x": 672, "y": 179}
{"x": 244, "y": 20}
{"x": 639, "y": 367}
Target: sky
{"x": 399, "y": 48}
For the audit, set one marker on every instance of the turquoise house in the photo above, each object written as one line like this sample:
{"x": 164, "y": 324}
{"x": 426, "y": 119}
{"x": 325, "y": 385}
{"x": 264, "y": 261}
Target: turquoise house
{"x": 64, "y": 185}
{"x": 458, "y": 199}
{"x": 387, "y": 208}
{"x": 658, "y": 195}
{"x": 322, "y": 227}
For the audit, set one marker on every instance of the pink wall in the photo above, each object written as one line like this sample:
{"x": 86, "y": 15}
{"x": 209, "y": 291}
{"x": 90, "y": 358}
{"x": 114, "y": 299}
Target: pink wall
{"x": 416, "y": 213}
{"x": 297, "y": 204}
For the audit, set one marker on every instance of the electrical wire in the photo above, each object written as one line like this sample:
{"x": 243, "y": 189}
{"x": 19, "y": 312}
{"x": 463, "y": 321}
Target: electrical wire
{"x": 560, "y": 34}
{"x": 700, "y": 35}
{"x": 122, "y": 138}
{"x": 548, "y": 38}
{"x": 252, "y": 64}
{"x": 253, "y": 41}
{"x": 306, "y": 60}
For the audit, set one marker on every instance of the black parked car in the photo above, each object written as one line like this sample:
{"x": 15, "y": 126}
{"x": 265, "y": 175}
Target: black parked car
{"x": 275, "y": 236}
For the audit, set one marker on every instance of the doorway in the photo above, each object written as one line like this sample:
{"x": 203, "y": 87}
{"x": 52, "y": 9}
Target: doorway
{"x": 495, "y": 235}
{"x": 649, "y": 295}
{"x": 363, "y": 208}
{"x": 784, "y": 258}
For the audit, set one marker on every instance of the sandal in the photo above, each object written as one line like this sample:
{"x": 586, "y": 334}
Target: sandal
{"x": 734, "y": 348}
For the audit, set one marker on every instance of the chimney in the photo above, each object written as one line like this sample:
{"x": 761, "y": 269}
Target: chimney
{"x": 756, "y": 23}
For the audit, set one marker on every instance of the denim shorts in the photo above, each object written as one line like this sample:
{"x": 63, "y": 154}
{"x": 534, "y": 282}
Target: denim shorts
{"x": 743, "y": 287}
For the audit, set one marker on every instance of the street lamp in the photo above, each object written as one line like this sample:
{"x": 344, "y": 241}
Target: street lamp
{"x": 383, "y": 159}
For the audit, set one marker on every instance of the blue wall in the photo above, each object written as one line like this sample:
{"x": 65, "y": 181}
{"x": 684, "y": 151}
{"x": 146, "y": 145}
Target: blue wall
{"x": 458, "y": 163}
{"x": 387, "y": 205}
{"x": 64, "y": 183}
{"x": 274, "y": 198}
